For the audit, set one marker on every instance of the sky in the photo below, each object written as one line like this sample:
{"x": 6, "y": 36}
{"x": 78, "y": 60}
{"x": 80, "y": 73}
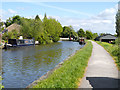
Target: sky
{"x": 98, "y": 17}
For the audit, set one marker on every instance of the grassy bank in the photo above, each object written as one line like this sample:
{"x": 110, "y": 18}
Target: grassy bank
{"x": 1, "y": 86}
{"x": 112, "y": 49}
{"x": 70, "y": 73}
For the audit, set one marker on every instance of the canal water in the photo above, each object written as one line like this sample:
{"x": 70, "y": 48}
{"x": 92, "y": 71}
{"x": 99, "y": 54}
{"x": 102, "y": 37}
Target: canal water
{"x": 21, "y": 66}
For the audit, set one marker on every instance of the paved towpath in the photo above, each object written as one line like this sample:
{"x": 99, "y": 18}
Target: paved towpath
{"x": 101, "y": 71}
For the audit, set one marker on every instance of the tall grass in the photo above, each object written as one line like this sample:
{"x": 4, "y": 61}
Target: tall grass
{"x": 70, "y": 73}
{"x": 113, "y": 50}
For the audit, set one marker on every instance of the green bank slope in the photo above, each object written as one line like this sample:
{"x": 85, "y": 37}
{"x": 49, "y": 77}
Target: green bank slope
{"x": 70, "y": 73}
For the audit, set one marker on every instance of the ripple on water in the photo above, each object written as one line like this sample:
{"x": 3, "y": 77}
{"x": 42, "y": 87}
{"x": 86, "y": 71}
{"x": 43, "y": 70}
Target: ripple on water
{"x": 21, "y": 66}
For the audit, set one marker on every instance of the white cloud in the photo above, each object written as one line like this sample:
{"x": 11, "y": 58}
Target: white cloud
{"x": 12, "y": 11}
{"x": 103, "y": 22}
{"x": 2, "y": 14}
{"x": 5, "y": 14}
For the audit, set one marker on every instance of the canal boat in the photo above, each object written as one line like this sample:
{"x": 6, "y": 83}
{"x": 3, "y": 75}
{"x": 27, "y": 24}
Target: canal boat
{"x": 81, "y": 40}
{"x": 19, "y": 42}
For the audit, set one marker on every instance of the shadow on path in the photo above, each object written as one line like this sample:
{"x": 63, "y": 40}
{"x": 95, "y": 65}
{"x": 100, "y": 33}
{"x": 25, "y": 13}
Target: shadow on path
{"x": 104, "y": 82}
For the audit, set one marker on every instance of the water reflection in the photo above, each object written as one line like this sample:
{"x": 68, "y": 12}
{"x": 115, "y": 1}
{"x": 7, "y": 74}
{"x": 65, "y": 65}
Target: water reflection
{"x": 21, "y": 66}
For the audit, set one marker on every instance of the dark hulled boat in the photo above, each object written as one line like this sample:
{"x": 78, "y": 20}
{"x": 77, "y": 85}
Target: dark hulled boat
{"x": 19, "y": 42}
{"x": 81, "y": 40}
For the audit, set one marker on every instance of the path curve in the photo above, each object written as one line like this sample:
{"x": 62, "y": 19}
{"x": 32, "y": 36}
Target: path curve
{"x": 101, "y": 71}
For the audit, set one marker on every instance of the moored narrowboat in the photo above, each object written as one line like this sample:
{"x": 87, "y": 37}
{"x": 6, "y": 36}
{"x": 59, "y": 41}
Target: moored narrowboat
{"x": 19, "y": 42}
{"x": 81, "y": 40}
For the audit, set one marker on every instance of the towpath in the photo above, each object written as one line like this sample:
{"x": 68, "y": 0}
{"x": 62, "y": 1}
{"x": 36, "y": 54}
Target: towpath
{"x": 101, "y": 71}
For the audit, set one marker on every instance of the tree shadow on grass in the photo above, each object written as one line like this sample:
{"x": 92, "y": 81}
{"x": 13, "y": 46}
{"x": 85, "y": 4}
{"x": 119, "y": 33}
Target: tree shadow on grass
{"x": 104, "y": 83}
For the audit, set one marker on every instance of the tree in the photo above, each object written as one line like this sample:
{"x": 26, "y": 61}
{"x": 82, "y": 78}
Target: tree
{"x": 68, "y": 31}
{"x": 118, "y": 32}
{"x": 10, "y": 35}
{"x": 45, "y": 16}
{"x": 52, "y": 28}
{"x": 118, "y": 23}
{"x": 8, "y": 22}
{"x": 37, "y": 18}
{"x": 95, "y": 35}
{"x": 45, "y": 32}
{"x": 89, "y": 34}
{"x": 1, "y": 26}
{"x": 81, "y": 33}
{"x": 27, "y": 27}
{"x": 14, "y": 19}
{"x": 101, "y": 34}
{"x": 38, "y": 29}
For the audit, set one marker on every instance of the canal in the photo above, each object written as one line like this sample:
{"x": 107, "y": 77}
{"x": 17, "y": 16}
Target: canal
{"x": 21, "y": 66}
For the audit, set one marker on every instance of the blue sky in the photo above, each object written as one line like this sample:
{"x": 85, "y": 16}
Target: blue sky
{"x": 95, "y": 16}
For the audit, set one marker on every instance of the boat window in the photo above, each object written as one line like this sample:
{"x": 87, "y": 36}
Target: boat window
{"x": 21, "y": 41}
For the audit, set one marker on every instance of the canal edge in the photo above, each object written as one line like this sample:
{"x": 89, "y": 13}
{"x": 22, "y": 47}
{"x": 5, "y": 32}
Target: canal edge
{"x": 45, "y": 76}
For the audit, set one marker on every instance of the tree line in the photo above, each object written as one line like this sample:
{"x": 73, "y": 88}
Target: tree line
{"x": 45, "y": 31}
{"x": 69, "y": 32}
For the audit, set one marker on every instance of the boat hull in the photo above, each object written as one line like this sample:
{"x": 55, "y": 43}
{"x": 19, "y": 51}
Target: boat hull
{"x": 19, "y": 43}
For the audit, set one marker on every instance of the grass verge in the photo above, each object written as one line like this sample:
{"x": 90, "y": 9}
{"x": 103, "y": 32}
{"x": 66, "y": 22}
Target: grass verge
{"x": 1, "y": 86}
{"x": 69, "y": 74}
{"x": 113, "y": 50}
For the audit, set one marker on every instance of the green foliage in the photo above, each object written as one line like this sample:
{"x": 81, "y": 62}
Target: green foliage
{"x": 1, "y": 86}
{"x": 68, "y": 75}
{"x": 53, "y": 29}
{"x": 45, "y": 32}
{"x": 95, "y": 35}
{"x": 81, "y": 33}
{"x": 113, "y": 50}
{"x": 45, "y": 16}
{"x": 68, "y": 31}
{"x": 14, "y": 19}
{"x": 8, "y": 22}
{"x": 26, "y": 29}
{"x": 1, "y": 26}
{"x": 89, "y": 34}
{"x": 101, "y": 34}
{"x": 118, "y": 23}
{"x": 37, "y": 18}
{"x": 10, "y": 35}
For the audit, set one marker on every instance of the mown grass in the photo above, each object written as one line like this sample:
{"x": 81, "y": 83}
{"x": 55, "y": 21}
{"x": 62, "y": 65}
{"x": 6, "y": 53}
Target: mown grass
{"x": 70, "y": 73}
{"x": 113, "y": 50}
